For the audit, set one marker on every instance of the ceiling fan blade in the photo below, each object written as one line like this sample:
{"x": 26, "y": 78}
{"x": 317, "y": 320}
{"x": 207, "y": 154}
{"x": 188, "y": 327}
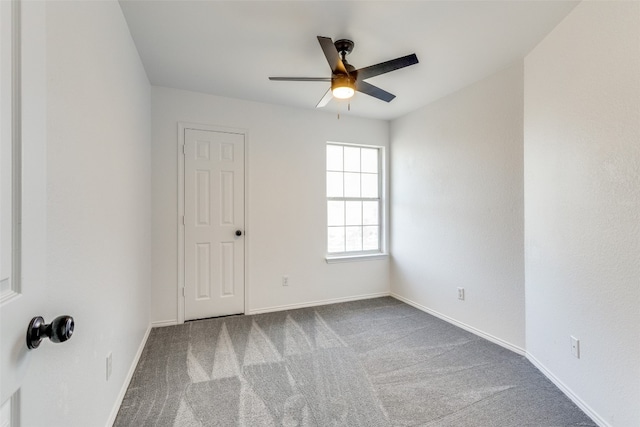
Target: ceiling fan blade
{"x": 301, "y": 79}
{"x": 385, "y": 67}
{"x": 374, "y": 91}
{"x": 325, "y": 99}
{"x": 332, "y": 55}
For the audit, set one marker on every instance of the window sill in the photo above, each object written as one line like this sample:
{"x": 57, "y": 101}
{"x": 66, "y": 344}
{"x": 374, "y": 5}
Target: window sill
{"x": 351, "y": 258}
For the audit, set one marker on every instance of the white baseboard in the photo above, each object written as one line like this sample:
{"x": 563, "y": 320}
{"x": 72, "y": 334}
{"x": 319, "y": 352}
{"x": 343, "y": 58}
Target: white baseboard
{"x": 489, "y": 337}
{"x": 316, "y": 303}
{"x": 161, "y": 323}
{"x": 568, "y": 392}
{"x": 127, "y": 380}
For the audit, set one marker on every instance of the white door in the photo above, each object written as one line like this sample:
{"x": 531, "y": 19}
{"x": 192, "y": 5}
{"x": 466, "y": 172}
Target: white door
{"x": 214, "y": 223}
{"x": 22, "y": 198}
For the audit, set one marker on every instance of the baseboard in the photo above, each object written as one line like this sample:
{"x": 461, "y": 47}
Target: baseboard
{"x": 127, "y": 380}
{"x": 316, "y": 303}
{"x": 161, "y": 323}
{"x": 568, "y": 392}
{"x": 475, "y": 331}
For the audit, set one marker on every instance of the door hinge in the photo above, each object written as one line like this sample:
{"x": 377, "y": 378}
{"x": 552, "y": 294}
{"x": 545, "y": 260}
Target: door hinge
{"x": 184, "y": 149}
{"x": 184, "y": 294}
{"x": 184, "y": 221}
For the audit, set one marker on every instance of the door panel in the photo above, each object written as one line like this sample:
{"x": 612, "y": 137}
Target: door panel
{"x": 214, "y": 211}
{"x": 23, "y": 138}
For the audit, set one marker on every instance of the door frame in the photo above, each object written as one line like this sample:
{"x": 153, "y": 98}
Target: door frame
{"x": 182, "y": 127}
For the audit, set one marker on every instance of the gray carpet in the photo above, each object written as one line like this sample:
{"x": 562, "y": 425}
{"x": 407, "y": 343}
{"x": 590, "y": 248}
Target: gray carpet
{"x": 376, "y": 362}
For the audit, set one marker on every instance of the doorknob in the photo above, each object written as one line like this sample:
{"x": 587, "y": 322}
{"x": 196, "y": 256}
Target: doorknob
{"x": 238, "y": 233}
{"x": 59, "y": 330}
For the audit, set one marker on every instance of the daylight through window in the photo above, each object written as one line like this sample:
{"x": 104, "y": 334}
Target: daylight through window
{"x": 353, "y": 199}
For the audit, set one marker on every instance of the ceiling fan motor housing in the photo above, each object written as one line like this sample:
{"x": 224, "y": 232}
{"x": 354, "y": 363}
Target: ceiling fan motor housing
{"x": 342, "y": 80}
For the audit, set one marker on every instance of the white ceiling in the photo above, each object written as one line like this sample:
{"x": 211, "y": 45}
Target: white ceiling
{"x": 230, "y": 48}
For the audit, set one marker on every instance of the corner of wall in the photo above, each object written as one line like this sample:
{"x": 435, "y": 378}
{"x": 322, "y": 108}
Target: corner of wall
{"x": 457, "y": 207}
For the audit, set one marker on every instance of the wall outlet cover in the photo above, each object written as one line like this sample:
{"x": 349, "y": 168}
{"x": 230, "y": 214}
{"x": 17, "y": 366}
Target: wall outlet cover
{"x": 109, "y": 365}
{"x": 575, "y": 347}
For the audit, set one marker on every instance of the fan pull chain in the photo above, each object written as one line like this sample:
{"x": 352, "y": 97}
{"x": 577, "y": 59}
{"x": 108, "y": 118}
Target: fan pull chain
{"x": 348, "y": 109}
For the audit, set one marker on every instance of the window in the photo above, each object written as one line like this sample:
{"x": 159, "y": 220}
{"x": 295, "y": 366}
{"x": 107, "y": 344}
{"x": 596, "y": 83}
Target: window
{"x": 354, "y": 207}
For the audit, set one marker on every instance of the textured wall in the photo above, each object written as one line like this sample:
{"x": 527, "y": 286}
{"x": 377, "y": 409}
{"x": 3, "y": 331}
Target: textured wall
{"x": 582, "y": 215}
{"x": 286, "y": 210}
{"x": 457, "y": 206}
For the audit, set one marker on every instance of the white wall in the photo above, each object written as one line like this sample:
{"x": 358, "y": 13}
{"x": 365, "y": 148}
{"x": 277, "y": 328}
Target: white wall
{"x": 582, "y": 207}
{"x": 286, "y": 211}
{"x": 98, "y": 210}
{"x": 457, "y": 207}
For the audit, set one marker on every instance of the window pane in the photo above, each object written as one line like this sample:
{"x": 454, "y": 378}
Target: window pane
{"x": 369, "y": 185}
{"x": 334, "y": 184}
{"x": 334, "y": 158}
{"x": 370, "y": 213}
{"x": 351, "y": 185}
{"x": 351, "y": 159}
{"x": 335, "y": 213}
{"x": 354, "y": 239}
{"x": 335, "y": 239}
{"x": 370, "y": 160}
{"x": 370, "y": 240}
{"x": 354, "y": 213}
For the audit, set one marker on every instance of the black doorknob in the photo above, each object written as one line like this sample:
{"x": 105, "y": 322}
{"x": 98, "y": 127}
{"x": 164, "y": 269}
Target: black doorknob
{"x": 59, "y": 330}
{"x": 238, "y": 233}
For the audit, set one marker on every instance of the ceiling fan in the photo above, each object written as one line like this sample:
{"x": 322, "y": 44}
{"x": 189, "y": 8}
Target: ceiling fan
{"x": 345, "y": 78}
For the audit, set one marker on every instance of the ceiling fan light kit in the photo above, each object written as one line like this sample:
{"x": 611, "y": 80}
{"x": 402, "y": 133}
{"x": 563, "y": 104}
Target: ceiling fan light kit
{"x": 345, "y": 78}
{"x": 343, "y": 87}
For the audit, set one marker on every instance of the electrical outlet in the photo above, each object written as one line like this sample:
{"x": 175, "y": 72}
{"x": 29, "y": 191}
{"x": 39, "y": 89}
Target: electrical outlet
{"x": 575, "y": 347}
{"x": 109, "y": 365}
{"x": 285, "y": 280}
{"x": 461, "y": 294}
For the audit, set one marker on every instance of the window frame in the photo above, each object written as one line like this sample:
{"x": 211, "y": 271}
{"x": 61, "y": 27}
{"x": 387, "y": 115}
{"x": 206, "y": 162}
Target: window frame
{"x": 361, "y": 255}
